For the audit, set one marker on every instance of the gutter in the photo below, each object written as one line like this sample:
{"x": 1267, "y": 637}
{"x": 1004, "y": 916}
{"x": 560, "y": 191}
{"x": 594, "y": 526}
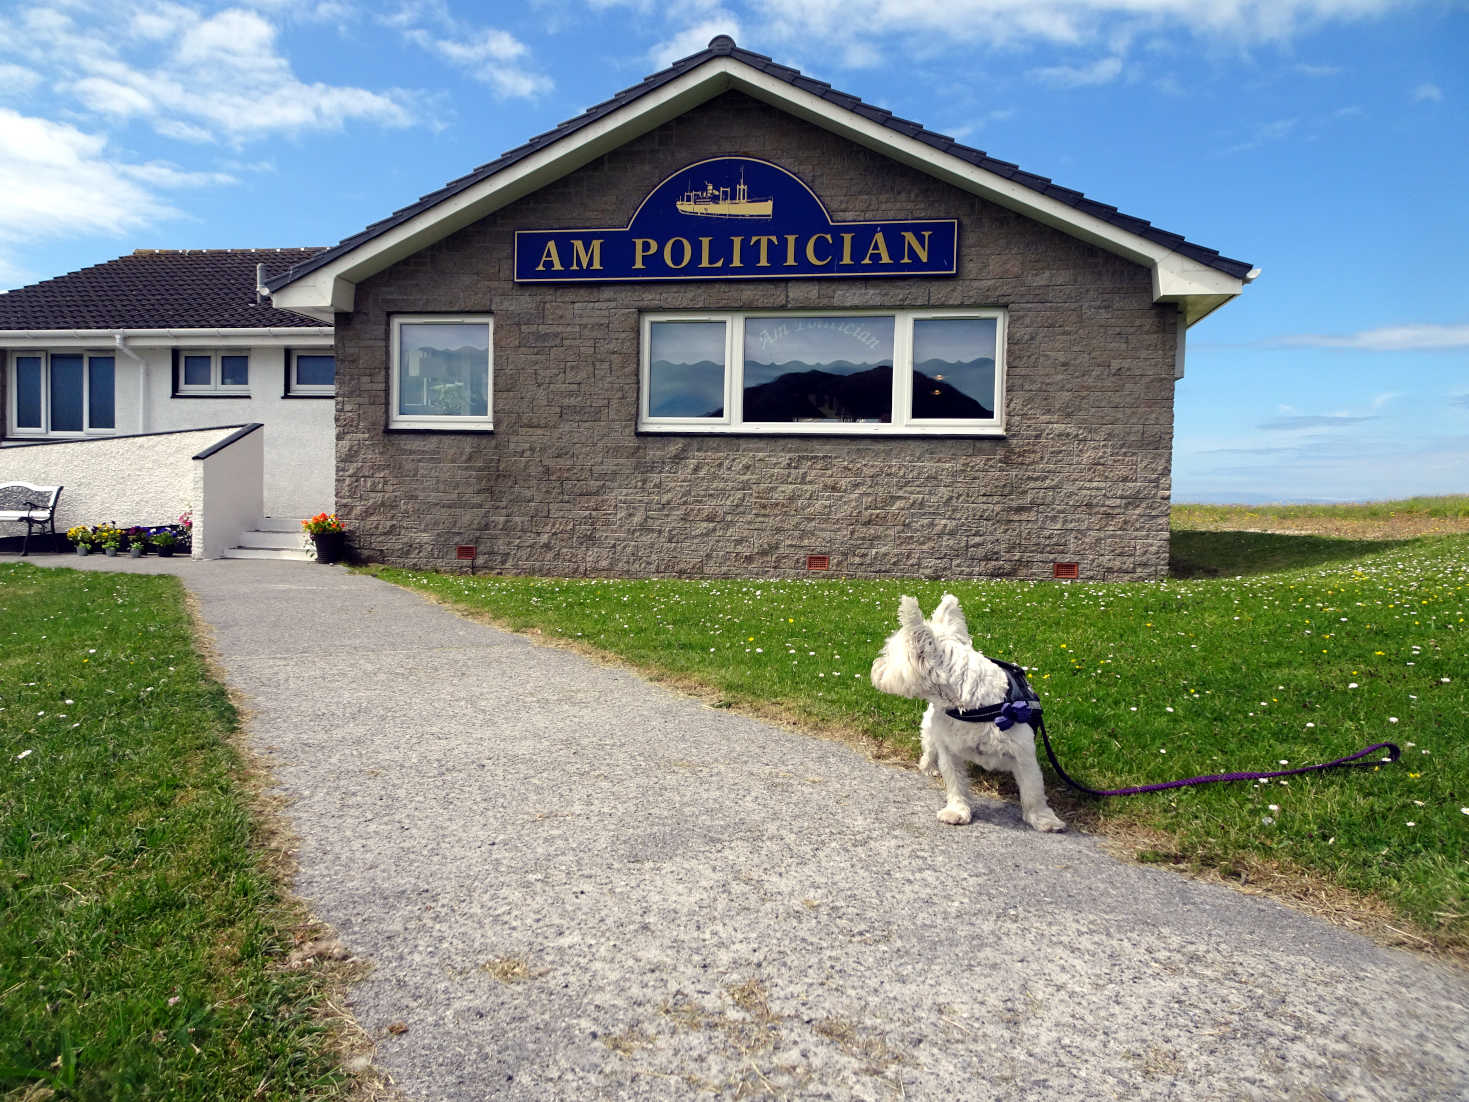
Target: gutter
{"x": 150, "y": 338}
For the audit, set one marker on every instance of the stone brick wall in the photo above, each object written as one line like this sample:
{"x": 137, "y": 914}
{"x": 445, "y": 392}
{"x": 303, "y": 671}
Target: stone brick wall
{"x": 566, "y": 486}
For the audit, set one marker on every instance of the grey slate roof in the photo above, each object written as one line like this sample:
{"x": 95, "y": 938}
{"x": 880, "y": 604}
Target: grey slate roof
{"x": 724, "y": 46}
{"x": 158, "y": 289}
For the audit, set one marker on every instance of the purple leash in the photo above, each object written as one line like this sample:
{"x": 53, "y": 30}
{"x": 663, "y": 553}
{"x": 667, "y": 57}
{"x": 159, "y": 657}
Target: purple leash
{"x": 1353, "y": 760}
{"x": 1023, "y": 705}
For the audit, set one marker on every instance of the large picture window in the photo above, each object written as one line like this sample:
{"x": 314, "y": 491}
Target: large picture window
{"x": 62, "y": 393}
{"x": 903, "y": 371}
{"x": 441, "y": 372}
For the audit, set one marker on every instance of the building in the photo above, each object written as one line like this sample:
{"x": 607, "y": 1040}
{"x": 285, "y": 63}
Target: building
{"x": 162, "y": 341}
{"x": 735, "y": 322}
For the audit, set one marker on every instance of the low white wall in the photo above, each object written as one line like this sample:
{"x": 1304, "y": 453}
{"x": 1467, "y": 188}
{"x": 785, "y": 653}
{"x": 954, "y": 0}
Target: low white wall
{"x": 145, "y": 480}
{"x": 227, "y": 491}
{"x": 300, "y": 457}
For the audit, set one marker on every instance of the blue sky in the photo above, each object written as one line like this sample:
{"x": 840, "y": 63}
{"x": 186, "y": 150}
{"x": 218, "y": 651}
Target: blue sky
{"x": 1324, "y": 141}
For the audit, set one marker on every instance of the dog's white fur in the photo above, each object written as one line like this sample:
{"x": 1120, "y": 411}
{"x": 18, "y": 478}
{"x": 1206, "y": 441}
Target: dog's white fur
{"x": 935, "y": 660}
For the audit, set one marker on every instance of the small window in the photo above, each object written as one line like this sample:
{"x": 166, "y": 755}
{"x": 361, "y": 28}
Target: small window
{"x": 441, "y": 373}
{"x": 861, "y": 372}
{"x": 210, "y": 372}
{"x": 62, "y": 393}
{"x": 312, "y": 373}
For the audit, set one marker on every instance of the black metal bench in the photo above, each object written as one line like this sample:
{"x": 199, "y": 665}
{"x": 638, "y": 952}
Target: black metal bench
{"x": 33, "y": 506}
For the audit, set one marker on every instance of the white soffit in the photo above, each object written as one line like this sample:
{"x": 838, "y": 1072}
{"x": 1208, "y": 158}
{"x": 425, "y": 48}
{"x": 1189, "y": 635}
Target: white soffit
{"x": 1198, "y": 288}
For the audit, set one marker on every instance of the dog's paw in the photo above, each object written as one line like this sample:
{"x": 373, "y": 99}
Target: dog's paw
{"x": 1045, "y": 819}
{"x": 955, "y": 815}
{"x": 927, "y": 764}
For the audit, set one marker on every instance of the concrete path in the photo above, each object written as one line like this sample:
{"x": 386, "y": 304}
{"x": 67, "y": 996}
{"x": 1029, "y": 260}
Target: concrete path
{"x": 576, "y": 885}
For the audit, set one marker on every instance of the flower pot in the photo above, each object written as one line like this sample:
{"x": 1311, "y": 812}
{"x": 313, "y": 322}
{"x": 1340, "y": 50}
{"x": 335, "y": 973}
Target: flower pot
{"x": 330, "y": 546}
{"x": 135, "y": 551}
{"x": 165, "y": 552}
{"x": 110, "y": 552}
{"x": 83, "y": 550}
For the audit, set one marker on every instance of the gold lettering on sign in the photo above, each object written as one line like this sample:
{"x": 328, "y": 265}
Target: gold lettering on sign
{"x": 764, "y": 241}
{"x": 811, "y": 249}
{"x": 584, "y": 257}
{"x": 704, "y": 261}
{"x": 847, "y": 248}
{"x": 642, "y": 248}
{"x": 734, "y": 256}
{"x": 790, "y": 250}
{"x": 550, "y": 256}
{"x": 688, "y": 252}
{"x": 879, "y": 247}
{"x": 920, "y": 251}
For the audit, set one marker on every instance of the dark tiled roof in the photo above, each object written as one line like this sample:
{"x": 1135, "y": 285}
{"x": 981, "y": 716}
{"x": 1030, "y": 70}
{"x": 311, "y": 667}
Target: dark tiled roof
{"x": 158, "y": 289}
{"x": 724, "y": 46}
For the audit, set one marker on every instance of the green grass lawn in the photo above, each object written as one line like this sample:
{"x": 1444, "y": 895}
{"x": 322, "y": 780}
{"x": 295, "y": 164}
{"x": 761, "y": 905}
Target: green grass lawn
{"x": 142, "y": 935}
{"x": 1143, "y": 683}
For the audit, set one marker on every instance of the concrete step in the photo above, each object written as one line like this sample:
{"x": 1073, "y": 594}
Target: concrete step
{"x": 281, "y": 524}
{"x": 265, "y": 553}
{"x": 279, "y": 541}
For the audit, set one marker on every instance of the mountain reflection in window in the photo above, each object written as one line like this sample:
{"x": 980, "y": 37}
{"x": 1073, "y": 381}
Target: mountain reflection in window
{"x": 686, "y": 369}
{"x": 445, "y": 369}
{"x": 815, "y": 369}
{"x": 954, "y": 368}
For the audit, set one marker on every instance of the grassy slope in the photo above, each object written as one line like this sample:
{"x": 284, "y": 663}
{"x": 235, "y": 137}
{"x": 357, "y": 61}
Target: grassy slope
{"x": 1144, "y": 683}
{"x": 141, "y": 938}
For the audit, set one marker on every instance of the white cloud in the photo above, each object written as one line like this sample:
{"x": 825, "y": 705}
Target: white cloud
{"x": 59, "y": 181}
{"x": 1396, "y": 338}
{"x": 1430, "y": 92}
{"x": 192, "y": 76}
{"x": 1109, "y": 24}
{"x": 1264, "y": 132}
{"x": 693, "y": 39}
{"x": 17, "y": 79}
{"x": 1102, "y": 71}
{"x": 487, "y": 54}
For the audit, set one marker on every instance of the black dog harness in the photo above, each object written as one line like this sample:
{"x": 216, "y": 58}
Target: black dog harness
{"x": 1021, "y": 704}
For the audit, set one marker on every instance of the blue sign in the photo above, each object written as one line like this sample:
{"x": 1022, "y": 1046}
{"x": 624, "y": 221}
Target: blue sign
{"x": 736, "y": 218}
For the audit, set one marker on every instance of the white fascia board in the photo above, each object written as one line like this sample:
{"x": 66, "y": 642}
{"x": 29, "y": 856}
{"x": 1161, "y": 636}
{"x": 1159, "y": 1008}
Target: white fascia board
{"x": 1175, "y": 277}
{"x": 331, "y": 285}
{"x": 167, "y": 338}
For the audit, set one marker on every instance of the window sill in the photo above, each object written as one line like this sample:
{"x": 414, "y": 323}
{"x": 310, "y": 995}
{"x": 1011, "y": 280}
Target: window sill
{"x": 906, "y": 432}
{"x": 236, "y": 394}
{"x": 478, "y": 430}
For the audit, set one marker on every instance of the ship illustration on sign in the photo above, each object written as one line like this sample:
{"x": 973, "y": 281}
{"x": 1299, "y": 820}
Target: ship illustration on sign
{"x": 718, "y": 202}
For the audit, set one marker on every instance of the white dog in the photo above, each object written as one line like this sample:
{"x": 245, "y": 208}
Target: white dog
{"x": 935, "y": 660}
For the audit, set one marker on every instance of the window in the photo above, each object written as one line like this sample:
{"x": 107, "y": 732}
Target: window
{"x": 441, "y": 370}
{"x": 311, "y": 373}
{"x": 62, "y": 393}
{"x": 201, "y": 371}
{"x": 904, "y": 371}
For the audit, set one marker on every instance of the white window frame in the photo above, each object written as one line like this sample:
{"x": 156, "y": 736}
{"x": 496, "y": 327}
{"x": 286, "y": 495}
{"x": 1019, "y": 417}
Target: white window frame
{"x": 216, "y": 371}
{"x": 902, "y": 423}
{"x": 296, "y": 387}
{"x": 441, "y": 422}
{"x": 12, "y": 371}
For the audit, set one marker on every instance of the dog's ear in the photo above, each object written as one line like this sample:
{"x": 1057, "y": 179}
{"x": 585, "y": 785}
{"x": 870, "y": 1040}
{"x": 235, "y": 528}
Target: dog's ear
{"x": 949, "y": 617}
{"x": 909, "y": 614}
